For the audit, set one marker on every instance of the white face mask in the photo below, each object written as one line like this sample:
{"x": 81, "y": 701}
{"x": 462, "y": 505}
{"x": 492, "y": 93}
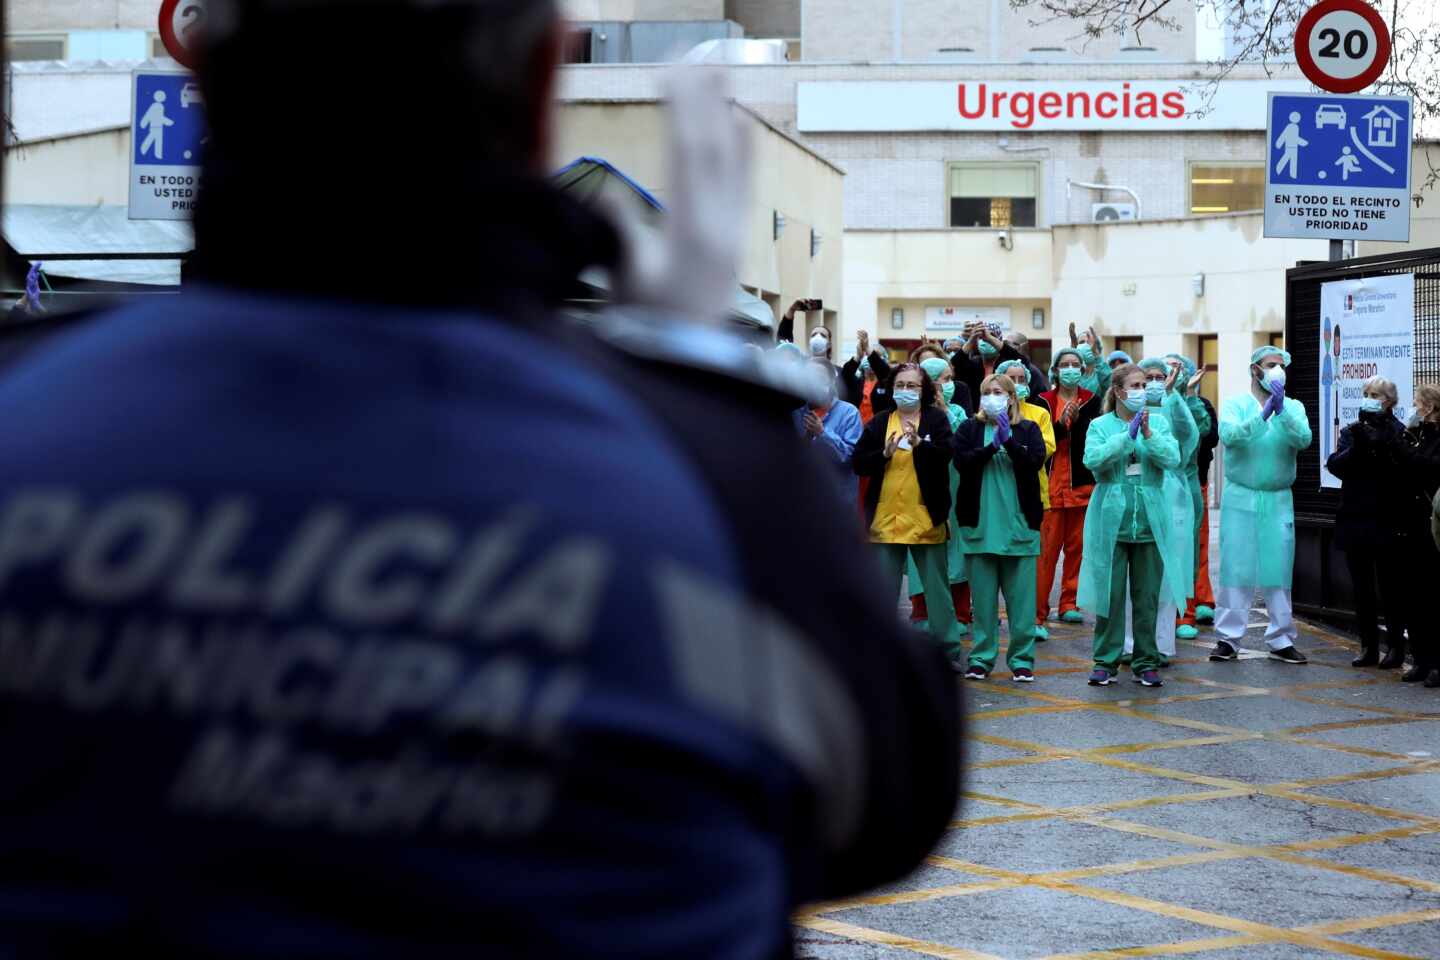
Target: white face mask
{"x": 1135, "y": 399}
{"x": 1275, "y": 375}
{"x": 819, "y": 344}
{"x": 994, "y": 404}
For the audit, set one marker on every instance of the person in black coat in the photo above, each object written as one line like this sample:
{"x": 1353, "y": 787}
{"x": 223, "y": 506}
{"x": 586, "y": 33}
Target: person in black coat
{"x": 906, "y": 454}
{"x": 1417, "y": 478}
{"x": 982, "y": 353}
{"x": 853, "y": 377}
{"x": 1370, "y": 524}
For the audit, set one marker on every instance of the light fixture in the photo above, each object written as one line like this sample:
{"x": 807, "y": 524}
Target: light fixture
{"x": 1037, "y": 318}
{"x": 897, "y": 318}
{"x": 1197, "y": 284}
{"x": 779, "y": 224}
{"x": 815, "y": 241}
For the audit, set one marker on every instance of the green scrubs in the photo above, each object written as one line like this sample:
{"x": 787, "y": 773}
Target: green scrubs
{"x": 1000, "y": 556}
{"x": 954, "y": 557}
{"x": 927, "y": 561}
{"x": 1257, "y": 513}
{"x": 1137, "y": 530}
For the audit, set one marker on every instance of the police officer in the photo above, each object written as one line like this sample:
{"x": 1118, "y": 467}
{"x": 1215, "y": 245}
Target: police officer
{"x": 351, "y": 606}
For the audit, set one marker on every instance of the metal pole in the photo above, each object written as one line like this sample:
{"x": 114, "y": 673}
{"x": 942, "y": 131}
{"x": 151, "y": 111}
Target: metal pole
{"x": 1337, "y": 250}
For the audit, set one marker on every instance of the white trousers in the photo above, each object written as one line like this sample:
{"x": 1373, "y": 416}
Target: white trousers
{"x": 1164, "y": 628}
{"x": 1232, "y": 616}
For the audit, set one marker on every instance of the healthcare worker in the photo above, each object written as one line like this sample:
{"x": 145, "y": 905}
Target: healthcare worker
{"x": 1074, "y": 408}
{"x": 1162, "y": 399}
{"x": 1263, "y": 431}
{"x": 1036, "y": 411}
{"x": 944, "y": 377}
{"x": 1132, "y": 540}
{"x": 906, "y": 455}
{"x": 1185, "y": 387}
{"x": 1118, "y": 358}
{"x": 1000, "y": 457}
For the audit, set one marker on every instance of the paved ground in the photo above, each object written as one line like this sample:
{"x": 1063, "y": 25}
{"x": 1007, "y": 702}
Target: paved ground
{"x": 1251, "y": 810}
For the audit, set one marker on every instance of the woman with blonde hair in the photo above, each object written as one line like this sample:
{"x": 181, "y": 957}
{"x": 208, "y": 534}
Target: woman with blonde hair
{"x": 943, "y": 376}
{"x": 1132, "y": 538}
{"x": 999, "y": 455}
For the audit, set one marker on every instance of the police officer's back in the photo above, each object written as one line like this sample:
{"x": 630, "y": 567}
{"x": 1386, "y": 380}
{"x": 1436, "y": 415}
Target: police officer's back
{"x": 347, "y": 608}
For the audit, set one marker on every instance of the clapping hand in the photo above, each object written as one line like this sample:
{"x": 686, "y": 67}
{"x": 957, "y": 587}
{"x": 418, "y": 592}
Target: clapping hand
{"x": 1194, "y": 383}
{"x": 1170, "y": 380}
{"x": 1135, "y": 422}
{"x": 1002, "y": 430}
{"x": 813, "y": 426}
{"x": 892, "y": 443}
{"x": 1145, "y": 423}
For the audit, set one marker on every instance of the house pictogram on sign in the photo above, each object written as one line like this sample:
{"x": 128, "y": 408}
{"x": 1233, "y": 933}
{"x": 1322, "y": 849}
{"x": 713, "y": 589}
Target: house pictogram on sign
{"x": 1382, "y": 126}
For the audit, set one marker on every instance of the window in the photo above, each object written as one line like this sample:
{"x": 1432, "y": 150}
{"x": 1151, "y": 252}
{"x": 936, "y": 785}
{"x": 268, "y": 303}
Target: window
{"x": 1210, "y": 356}
{"x": 1226, "y": 187}
{"x": 993, "y": 194}
{"x": 157, "y": 48}
{"x": 35, "y": 47}
{"x": 1277, "y": 340}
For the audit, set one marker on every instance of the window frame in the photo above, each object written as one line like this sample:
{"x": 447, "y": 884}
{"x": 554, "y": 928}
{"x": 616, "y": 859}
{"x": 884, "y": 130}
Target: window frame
{"x": 1190, "y": 166}
{"x": 1038, "y": 166}
{"x": 39, "y": 35}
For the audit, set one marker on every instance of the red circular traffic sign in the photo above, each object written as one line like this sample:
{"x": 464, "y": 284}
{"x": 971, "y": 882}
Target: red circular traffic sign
{"x": 1342, "y": 46}
{"x": 180, "y": 27}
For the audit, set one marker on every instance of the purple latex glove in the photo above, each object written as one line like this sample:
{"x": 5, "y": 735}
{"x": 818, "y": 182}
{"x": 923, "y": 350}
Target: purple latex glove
{"x": 1272, "y": 406}
{"x": 1135, "y": 425}
{"x": 1002, "y": 430}
{"x": 1277, "y": 390}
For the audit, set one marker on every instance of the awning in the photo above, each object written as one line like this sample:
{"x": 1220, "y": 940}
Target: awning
{"x": 36, "y": 231}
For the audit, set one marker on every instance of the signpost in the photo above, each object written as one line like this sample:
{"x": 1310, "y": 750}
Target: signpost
{"x": 180, "y": 27}
{"x": 168, "y": 134}
{"x": 1339, "y": 165}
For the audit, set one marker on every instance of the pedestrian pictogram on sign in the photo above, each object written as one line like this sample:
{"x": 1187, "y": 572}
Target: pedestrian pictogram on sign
{"x": 1342, "y": 46}
{"x": 1339, "y": 167}
{"x": 169, "y": 131}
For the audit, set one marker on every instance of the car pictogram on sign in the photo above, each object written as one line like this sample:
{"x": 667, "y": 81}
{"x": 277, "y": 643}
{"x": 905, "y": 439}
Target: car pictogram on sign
{"x": 1330, "y": 113}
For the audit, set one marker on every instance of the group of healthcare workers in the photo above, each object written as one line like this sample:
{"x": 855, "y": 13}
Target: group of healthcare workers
{"x": 1101, "y": 475}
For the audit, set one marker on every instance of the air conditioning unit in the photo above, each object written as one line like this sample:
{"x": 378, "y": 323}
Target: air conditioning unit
{"x": 1105, "y": 212}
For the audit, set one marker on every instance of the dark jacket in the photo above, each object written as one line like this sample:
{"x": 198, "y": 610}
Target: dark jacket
{"x": 1208, "y": 443}
{"x": 1079, "y": 429}
{"x": 1364, "y": 460}
{"x": 853, "y": 382}
{"x": 1026, "y": 448}
{"x": 932, "y": 462}
{"x": 1417, "y": 455}
{"x": 970, "y": 371}
{"x": 723, "y": 683}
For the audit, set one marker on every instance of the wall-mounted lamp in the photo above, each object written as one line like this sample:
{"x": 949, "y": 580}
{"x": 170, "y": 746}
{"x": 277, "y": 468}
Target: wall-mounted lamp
{"x": 815, "y": 241}
{"x": 897, "y": 318}
{"x": 1037, "y": 318}
{"x": 779, "y": 224}
{"x": 1197, "y": 284}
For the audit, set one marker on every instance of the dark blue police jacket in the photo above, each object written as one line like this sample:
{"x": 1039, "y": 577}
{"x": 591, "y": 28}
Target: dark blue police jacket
{"x": 335, "y": 630}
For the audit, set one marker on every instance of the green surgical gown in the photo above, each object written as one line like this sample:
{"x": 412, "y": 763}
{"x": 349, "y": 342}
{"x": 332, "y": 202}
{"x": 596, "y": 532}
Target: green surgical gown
{"x": 1257, "y": 512}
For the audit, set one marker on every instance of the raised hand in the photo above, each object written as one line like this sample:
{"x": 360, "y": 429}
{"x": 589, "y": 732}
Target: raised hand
{"x": 1135, "y": 424}
{"x": 1145, "y": 423}
{"x": 1194, "y": 383}
{"x": 1170, "y": 380}
{"x": 1002, "y": 429}
{"x": 892, "y": 444}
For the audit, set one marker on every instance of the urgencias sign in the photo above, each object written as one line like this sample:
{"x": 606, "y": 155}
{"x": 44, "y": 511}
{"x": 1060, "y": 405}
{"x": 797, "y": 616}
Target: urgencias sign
{"x": 1032, "y": 105}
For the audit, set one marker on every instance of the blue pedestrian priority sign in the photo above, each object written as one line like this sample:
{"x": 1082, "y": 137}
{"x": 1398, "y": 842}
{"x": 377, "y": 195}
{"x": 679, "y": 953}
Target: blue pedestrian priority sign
{"x": 168, "y": 132}
{"x": 1339, "y": 167}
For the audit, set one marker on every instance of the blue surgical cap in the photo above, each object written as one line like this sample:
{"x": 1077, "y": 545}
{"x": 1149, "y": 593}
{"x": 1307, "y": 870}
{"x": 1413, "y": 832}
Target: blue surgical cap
{"x": 1268, "y": 351}
{"x": 1120, "y": 355}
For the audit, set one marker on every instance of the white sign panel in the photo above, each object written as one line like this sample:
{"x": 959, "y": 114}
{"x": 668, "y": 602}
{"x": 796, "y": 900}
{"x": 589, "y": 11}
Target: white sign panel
{"x": 1031, "y": 105}
{"x": 1339, "y": 167}
{"x": 168, "y": 131}
{"x": 955, "y": 318}
{"x": 1367, "y": 329}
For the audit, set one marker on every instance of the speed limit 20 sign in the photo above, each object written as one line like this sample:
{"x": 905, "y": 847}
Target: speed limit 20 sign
{"x": 1342, "y": 45}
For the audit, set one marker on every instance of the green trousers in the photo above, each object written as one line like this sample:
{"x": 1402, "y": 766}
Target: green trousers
{"x": 930, "y": 561}
{"x": 1138, "y": 565}
{"x": 990, "y": 576}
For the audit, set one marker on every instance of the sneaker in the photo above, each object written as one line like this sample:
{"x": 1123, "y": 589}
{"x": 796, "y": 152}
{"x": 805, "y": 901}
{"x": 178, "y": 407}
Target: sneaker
{"x": 1041, "y": 634}
{"x": 1288, "y": 655}
{"x": 1101, "y": 678}
{"x": 1021, "y": 675}
{"x": 1072, "y": 616}
{"x": 1224, "y": 651}
{"x": 1186, "y": 632}
{"x": 1204, "y": 614}
{"x": 976, "y": 673}
{"x": 1149, "y": 678}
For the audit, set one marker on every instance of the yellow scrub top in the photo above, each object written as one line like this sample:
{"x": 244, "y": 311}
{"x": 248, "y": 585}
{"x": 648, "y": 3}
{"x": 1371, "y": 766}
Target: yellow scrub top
{"x": 1039, "y": 416}
{"x": 901, "y": 516}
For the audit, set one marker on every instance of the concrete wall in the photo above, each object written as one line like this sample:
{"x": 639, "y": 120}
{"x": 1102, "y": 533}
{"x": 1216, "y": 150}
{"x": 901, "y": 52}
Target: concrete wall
{"x": 808, "y": 191}
{"x": 766, "y": 18}
{"x": 1137, "y": 280}
{"x": 643, "y": 9}
{"x": 849, "y": 30}
{"x": 43, "y": 15}
{"x": 86, "y": 170}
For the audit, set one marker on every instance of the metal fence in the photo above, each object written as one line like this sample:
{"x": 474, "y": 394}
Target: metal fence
{"x": 1322, "y": 582}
